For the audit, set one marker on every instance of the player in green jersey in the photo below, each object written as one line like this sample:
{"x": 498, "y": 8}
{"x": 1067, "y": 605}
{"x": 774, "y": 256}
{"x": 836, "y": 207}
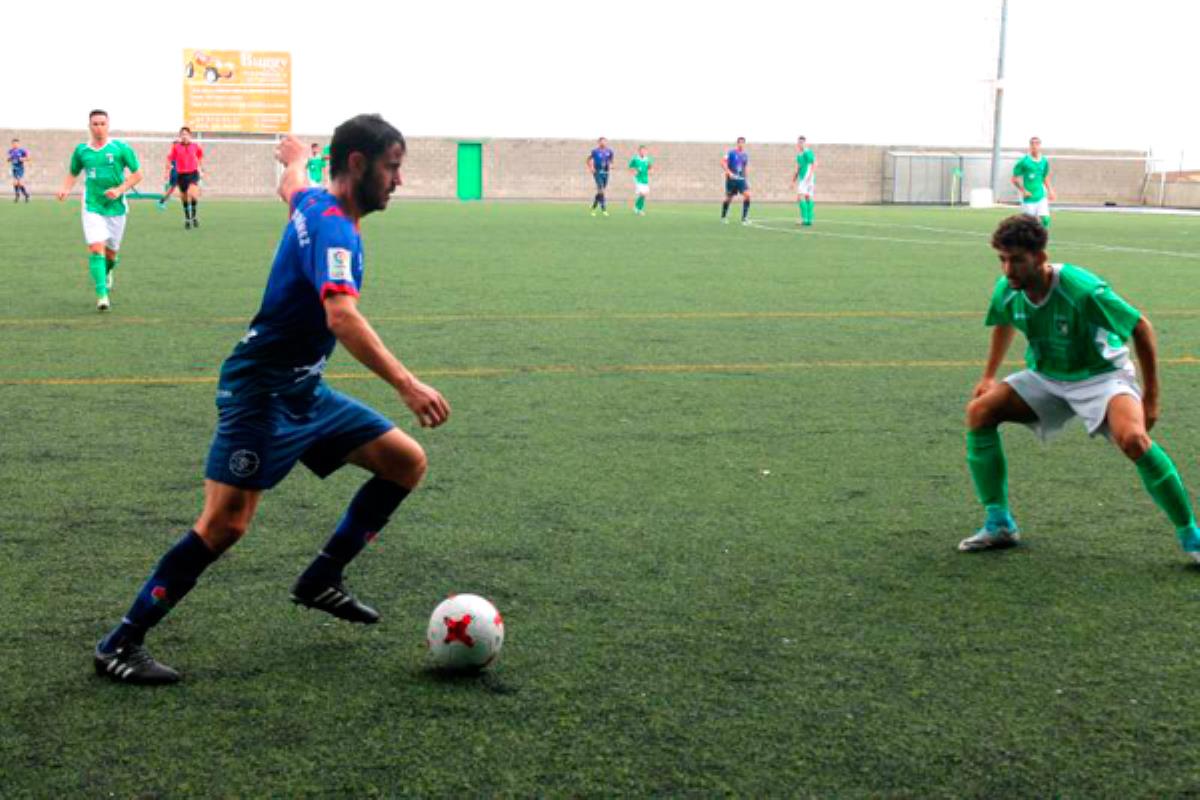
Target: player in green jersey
{"x": 804, "y": 179}
{"x": 1031, "y": 176}
{"x": 105, "y": 162}
{"x": 640, "y": 165}
{"x": 1078, "y": 365}
{"x": 316, "y": 166}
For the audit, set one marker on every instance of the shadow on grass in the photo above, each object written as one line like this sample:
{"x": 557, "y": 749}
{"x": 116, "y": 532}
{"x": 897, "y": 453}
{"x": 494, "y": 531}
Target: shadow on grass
{"x": 466, "y": 680}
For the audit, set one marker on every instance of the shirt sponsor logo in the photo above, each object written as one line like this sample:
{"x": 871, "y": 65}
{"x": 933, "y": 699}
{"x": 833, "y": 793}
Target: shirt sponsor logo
{"x": 337, "y": 259}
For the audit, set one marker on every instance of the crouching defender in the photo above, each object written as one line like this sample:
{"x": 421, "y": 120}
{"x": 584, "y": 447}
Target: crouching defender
{"x": 275, "y": 409}
{"x": 1078, "y": 364}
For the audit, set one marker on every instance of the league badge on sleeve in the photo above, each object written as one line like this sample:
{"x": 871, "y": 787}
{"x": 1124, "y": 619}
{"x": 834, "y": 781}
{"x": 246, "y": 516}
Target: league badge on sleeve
{"x": 338, "y": 259}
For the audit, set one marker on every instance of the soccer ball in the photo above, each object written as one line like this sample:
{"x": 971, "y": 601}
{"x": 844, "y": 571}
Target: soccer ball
{"x": 465, "y": 632}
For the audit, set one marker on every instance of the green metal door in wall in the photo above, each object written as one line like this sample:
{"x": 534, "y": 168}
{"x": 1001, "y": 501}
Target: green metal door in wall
{"x": 470, "y": 170}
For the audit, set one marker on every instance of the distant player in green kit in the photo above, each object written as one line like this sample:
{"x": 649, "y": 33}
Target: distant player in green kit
{"x": 1031, "y": 176}
{"x": 105, "y": 162}
{"x": 640, "y": 165}
{"x": 316, "y": 166}
{"x": 1078, "y": 365}
{"x": 805, "y": 177}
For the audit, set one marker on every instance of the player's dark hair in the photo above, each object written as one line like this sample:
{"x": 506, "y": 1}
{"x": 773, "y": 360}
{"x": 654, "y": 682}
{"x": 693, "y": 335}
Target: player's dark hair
{"x": 1021, "y": 232}
{"x": 185, "y": 128}
{"x": 369, "y": 134}
{"x": 741, "y": 138}
{"x": 97, "y": 112}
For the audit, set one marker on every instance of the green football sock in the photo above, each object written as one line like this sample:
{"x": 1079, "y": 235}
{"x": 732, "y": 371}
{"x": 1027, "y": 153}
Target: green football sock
{"x": 1045, "y": 222}
{"x": 809, "y": 211}
{"x": 989, "y": 468}
{"x": 640, "y": 203}
{"x": 99, "y": 273}
{"x": 111, "y": 265}
{"x": 803, "y": 211}
{"x": 1162, "y": 481}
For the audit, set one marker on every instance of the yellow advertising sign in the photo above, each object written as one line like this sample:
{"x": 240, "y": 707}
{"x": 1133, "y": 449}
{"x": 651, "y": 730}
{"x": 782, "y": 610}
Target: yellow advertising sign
{"x": 237, "y": 90}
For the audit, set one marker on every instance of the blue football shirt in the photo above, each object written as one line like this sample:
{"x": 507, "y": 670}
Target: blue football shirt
{"x": 17, "y": 155}
{"x": 601, "y": 158}
{"x": 737, "y": 162}
{"x": 285, "y": 351}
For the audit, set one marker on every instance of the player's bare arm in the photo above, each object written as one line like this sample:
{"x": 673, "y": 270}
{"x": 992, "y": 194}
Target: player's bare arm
{"x": 1016, "y": 181}
{"x": 292, "y": 154}
{"x": 132, "y": 180}
{"x": 355, "y": 333}
{"x": 1050, "y": 193}
{"x": 1002, "y": 337}
{"x": 1145, "y": 344}
{"x": 67, "y": 184}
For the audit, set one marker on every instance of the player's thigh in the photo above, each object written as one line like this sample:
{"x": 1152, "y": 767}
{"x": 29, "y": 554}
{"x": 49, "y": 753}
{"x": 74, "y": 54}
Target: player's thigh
{"x": 999, "y": 404}
{"x": 1126, "y": 421}
{"x": 228, "y": 511}
{"x": 395, "y": 455}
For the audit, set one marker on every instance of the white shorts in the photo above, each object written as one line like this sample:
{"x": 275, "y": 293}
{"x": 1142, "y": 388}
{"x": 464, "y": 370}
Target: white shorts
{"x": 1037, "y": 208}
{"x": 805, "y": 187}
{"x": 641, "y": 188}
{"x": 98, "y": 228}
{"x": 1057, "y": 402}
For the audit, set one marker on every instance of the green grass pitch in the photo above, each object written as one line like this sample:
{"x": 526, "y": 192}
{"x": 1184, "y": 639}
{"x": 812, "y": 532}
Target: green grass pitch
{"x": 712, "y": 475}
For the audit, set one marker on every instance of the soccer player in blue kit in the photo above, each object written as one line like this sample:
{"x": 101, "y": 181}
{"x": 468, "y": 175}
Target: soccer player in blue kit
{"x": 598, "y": 163}
{"x": 275, "y": 409}
{"x": 734, "y": 165}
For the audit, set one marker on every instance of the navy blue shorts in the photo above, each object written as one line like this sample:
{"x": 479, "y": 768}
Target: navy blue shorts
{"x": 256, "y": 446}
{"x": 18, "y": 171}
{"x": 601, "y": 180}
{"x": 736, "y": 186}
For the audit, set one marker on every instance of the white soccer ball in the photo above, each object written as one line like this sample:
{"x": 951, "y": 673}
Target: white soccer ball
{"x": 465, "y": 632}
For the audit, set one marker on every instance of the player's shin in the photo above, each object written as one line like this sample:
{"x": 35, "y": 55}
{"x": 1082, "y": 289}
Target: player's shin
{"x": 367, "y": 514}
{"x": 989, "y": 469}
{"x": 173, "y": 577}
{"x": 1163, "y": 483}
{"x": 99, "y": 272}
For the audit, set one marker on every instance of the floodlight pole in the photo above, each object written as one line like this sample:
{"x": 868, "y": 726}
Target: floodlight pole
{"x": 999, "y": 98}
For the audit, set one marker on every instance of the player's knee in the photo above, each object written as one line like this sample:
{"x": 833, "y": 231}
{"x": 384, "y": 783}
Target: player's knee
{"x": 408, "y": 466}
{"x": 980, "y": 414}
{"x": 1133, "y": 443}
{"x": 222, "y": 533}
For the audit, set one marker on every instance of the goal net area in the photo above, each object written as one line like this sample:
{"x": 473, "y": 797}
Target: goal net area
{"x": 948, "y": 177}
{"x": 235, "y": 165}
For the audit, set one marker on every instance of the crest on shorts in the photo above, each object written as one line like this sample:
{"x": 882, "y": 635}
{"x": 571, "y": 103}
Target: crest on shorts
{"x": 244, "y": 463}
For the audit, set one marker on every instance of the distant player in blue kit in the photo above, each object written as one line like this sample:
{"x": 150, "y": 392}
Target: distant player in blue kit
{"x": 17, "y": 158}
{"x": 598, "y": 163}
{"x": 275, "y": 409}
{"x": 734, "y": 164}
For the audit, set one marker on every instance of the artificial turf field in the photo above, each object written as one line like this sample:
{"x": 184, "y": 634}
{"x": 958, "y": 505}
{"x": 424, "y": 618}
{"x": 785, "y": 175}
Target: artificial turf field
{"x": 713, "y": 476}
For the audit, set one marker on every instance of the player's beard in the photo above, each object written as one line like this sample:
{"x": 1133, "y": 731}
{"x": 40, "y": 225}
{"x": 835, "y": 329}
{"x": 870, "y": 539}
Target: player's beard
{"x": 368, "y": 194}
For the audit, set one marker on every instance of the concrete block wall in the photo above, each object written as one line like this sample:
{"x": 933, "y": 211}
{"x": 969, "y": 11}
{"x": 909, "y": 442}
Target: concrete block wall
{"x": 554, "y": 169}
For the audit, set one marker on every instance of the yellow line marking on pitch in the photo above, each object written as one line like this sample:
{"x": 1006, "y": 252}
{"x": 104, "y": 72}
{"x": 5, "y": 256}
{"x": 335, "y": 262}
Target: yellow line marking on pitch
{"x": 562, "y": 369}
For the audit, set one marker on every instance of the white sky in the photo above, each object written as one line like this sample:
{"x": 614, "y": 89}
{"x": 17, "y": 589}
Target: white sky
{"x": 1078, "y": 73}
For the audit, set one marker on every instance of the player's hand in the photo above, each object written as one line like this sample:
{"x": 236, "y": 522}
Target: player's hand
{"x": 984, "y": 386}
{"x": 1052, "y": 195}
{"x": 289, "y": 150}
{"x": 113, "y": 194}
{"x": 1150, "y": 409}
{"x": 61, "y": 194}
{"x": 427, "y": 403}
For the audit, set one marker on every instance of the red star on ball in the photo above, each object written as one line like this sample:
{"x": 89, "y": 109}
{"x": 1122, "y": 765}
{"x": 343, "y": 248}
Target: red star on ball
{"x": 456, "y": 630}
